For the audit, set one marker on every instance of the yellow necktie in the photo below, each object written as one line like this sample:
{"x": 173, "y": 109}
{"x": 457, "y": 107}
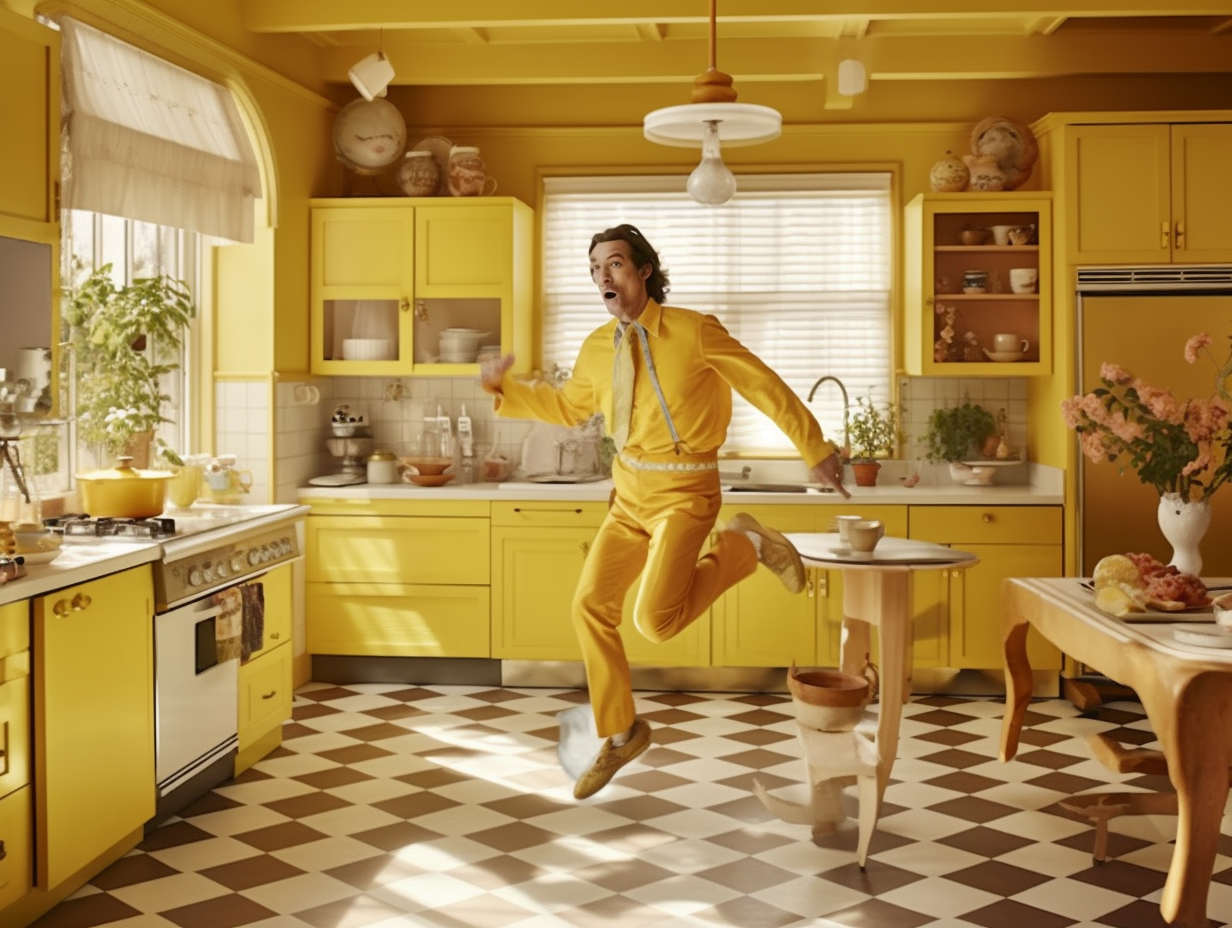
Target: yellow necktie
{"x": 622, "y": 387}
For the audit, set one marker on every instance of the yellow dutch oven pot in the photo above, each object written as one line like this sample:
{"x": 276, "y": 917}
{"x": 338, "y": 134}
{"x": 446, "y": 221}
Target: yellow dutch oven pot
{"x": 123, "y": 492}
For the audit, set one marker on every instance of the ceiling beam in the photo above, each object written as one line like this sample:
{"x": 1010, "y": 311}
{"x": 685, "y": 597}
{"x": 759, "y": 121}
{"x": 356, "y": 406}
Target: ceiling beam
{"x": 802, "y": 59}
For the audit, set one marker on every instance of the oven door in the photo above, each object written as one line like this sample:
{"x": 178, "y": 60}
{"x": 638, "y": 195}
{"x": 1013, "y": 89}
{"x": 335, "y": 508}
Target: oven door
{"x": 196, "y": 699}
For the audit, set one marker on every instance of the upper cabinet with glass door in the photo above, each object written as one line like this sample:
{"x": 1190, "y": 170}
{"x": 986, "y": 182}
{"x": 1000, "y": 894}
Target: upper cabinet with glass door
{"x": 392, "y": 277}
{"x": 977, "y": 284}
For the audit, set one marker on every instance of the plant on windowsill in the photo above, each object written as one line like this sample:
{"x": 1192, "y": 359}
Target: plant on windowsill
{"x": 123, "y": 340}
{"x": 872, "y": 433}
{"x": 958, "y": 433}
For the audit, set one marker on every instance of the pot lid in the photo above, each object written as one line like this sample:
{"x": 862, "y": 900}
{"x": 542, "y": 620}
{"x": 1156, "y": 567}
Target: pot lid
{"x": 124, "y": 470}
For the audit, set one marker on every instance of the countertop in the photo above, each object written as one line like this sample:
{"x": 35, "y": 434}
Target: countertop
{"x": 1045, "y": 487}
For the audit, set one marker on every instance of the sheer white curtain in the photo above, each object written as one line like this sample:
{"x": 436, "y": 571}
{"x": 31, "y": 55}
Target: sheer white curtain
{"x": 150, "y": 141}
{"x": 797, "y": 267}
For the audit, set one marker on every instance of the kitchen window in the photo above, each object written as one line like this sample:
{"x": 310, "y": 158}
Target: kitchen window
{"x": 797, "y": 267}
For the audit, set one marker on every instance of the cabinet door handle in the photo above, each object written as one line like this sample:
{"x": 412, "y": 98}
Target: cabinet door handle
{"x": 274, "y": 636}
{"x": 533, "y": 509}
{"x": 60, "y": 609}
{"x": 989, "y": 517}
{"x": 1165, "y": 235}
{"x": 270, "y": 695}
{"x": 585, "y": 548}
{"x": 81, "y": 602}
{"x": 1180, "y": 235}
{"x": 404, "y": 305}
{"x": 3, "y": 851}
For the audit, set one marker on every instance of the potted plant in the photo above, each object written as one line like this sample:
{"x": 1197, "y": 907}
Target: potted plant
{"x": 872, "y": 433}
{"x": 956, "y": 433}
{"x": 123, "y": 340}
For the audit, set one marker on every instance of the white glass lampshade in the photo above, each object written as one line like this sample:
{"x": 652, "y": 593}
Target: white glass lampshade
{"x": 711, "y": 183}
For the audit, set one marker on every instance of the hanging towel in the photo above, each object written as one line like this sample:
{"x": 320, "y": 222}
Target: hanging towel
{"x": 228, "y": 627}
{"x": 253, "y": 619}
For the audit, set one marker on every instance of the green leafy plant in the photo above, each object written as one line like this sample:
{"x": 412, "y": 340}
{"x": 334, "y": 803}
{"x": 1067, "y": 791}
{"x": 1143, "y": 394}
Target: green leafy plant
{"x": 123, "y": 340}
{"x": 872, "y": 431}
{"x": 957, "y": 433}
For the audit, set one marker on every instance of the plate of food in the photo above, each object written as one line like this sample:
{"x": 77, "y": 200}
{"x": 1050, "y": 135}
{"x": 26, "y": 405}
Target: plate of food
{"x": 1138, "y": 588}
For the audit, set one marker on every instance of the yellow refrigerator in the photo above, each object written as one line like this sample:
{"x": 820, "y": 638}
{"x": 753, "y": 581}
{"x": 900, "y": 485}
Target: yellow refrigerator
{"x": 1140, "y": 318}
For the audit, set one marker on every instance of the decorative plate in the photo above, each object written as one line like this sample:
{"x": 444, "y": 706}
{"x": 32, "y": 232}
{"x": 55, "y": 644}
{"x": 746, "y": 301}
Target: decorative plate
{"x": 1004, "y": 356}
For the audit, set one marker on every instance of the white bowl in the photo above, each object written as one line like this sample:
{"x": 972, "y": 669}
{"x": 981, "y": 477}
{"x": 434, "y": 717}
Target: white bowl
{"x": 367, "y": 349}
{"x": 1222, "y": 607}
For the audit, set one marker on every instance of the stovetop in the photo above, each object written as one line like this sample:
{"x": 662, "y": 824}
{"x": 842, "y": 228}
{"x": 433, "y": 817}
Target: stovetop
{"x": 80, "y": 523}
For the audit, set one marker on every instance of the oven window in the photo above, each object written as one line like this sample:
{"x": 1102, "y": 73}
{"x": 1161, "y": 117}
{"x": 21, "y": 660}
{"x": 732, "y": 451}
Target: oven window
{"x": 206, "y": 649}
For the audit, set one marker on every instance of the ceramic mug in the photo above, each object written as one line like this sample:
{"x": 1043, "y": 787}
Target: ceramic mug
{"x": 1023, "y": 279}
{"x": 864, "y": 534}
{"x": 841, "y": 524}
{"x": 975, "y": 281}
{"x": 1006, "y": 343}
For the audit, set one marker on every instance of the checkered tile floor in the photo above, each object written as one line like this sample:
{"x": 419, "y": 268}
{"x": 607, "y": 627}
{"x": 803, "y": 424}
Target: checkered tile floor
{"x": 444, "y": 806}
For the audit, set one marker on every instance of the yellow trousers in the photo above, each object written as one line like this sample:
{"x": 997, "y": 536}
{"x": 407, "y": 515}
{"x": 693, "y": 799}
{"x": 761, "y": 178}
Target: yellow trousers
{"x": 657, "y": 525}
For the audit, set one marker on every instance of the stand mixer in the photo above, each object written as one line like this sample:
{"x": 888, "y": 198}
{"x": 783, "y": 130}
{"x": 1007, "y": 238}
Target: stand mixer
{"x": 352, "y": 443}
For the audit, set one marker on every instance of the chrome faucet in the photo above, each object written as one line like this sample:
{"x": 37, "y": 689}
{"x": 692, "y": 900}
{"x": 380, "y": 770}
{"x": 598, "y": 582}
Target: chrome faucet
{"x": 846, "y": 406}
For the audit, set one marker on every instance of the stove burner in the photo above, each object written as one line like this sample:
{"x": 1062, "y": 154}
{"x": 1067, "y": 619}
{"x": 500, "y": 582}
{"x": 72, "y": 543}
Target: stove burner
{"x": 79, "y": 523}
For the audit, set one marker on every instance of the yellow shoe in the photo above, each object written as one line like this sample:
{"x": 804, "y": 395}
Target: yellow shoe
{"x": 611, "y": 759}
{"x": 775, "y": 551}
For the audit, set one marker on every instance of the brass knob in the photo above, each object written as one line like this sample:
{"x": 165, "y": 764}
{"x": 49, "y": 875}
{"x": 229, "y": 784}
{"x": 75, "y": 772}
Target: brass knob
{"x": 585, "y": 548}
{"x": 60, "y": 609}
{"x": 989, "y": 517}
{"x": 81, "y": 602}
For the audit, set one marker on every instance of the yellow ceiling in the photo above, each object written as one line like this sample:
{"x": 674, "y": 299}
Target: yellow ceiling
{"x": 574, "y": 42}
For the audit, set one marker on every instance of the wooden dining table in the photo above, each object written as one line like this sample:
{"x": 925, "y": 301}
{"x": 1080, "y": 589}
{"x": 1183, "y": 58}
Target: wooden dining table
{"x": 1185, "y": 689}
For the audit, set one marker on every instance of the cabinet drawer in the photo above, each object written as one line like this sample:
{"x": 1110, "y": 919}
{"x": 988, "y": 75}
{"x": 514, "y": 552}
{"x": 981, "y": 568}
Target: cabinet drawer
{"x": 958, "y": 525}
{"x": 14, "y": 734}
{"x": 398, "y": 620}
{"x": 14, "y": 642}
{"x": 16, "y": 866}
{"x": 265, "y": 694}
{"x": 365, "y": 549}
{"x": 557, "y": 513}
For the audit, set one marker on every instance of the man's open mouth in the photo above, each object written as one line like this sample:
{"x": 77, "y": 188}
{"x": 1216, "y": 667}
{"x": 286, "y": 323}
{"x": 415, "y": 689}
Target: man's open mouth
{"x": 609, "y": 294}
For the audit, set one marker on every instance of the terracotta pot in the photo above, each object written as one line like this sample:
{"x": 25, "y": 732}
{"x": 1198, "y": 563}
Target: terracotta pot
{"x": 123, "y": 492}
{"x": 829, "y": 700}
{"x": 865, "y": 472}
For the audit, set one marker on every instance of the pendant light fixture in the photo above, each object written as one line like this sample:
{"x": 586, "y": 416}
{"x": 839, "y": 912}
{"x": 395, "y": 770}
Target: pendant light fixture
{"x": 712, "y": 116}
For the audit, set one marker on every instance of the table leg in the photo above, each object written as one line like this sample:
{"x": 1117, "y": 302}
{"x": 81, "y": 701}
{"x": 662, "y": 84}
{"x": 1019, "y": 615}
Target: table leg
{"x": 1193, "y": 732}
{"x": 1018, "y": 682}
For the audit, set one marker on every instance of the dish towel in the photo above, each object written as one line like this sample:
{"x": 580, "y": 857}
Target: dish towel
{"x": 228, "y": 626}
{"x": 253, "y": 619}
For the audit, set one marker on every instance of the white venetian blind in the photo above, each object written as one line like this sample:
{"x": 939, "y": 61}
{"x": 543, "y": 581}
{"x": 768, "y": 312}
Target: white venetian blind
{"x": 797, "y": 267}
{"x": 150, "y": 141}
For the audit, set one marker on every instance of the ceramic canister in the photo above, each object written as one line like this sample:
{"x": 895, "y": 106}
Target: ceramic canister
{"x": 383, "y": 467}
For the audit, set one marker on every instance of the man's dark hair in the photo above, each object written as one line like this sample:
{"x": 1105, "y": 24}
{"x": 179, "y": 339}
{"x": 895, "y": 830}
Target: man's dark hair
{"x": 642, "y": 252}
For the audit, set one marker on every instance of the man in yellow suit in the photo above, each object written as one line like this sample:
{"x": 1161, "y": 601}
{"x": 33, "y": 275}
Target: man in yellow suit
{"x": 663, "y": 377}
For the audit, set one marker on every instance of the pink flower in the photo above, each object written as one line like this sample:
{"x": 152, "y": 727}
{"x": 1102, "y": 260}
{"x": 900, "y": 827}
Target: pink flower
{"x": 1114, "y": 373}
{"x": 1194, "y": 345}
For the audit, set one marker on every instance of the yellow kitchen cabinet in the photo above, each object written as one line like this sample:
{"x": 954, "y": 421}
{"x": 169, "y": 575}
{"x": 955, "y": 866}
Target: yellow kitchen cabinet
{"x": 1010, "y": 541}
{"x": 398, "y": 578}
{"x": 30, "y": 60}
{"x": 936, "y": 259}
{"x": 389, "y": 275}
{"x": 538, "y": 548}
{"x": 93, "y": 721}
{"x": 16, "y": 835}
{"x": 1147, "y": 192}
{"x": 265, "y": 694}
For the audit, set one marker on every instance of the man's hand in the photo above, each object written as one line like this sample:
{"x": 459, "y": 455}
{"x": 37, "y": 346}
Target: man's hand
{"x": 492, "y": 372}
{"x": 829, "y": 472}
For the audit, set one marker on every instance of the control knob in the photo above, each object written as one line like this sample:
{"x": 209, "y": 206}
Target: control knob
{"x": 194, "y": 576}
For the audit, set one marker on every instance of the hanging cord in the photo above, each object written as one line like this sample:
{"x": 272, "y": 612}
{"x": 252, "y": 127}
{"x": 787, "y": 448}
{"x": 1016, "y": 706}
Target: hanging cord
{"x": 12, "y": 457}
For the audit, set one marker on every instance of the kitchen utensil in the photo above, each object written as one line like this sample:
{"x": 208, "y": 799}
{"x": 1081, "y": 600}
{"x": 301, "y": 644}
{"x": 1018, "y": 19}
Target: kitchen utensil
{"x": 864, "y": 534}
{"x": 427, "y": 466}
{"x": 124, "y": 492}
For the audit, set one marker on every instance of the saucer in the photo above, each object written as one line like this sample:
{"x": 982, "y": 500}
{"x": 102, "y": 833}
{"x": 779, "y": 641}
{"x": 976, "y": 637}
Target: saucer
{"x": 1005, "y": 355}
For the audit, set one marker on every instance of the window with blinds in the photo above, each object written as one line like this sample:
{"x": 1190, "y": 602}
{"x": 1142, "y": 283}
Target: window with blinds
{"x": 797, "y": 267}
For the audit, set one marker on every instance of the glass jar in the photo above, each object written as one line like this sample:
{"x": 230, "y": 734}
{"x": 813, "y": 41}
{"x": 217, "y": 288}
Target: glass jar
{"x": 419, "y": 175}
{"x": 466, "y": 172}
{"x": 383, "y": 467}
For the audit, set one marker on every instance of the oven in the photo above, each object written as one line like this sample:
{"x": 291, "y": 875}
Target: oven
{"x": 197, "y": 595}
{"x": 208, "y": 554}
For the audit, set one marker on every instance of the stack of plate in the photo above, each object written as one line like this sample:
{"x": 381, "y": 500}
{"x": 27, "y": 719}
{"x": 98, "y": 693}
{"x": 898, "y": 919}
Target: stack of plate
{"x": 367, "y": 349}
{"x": 461, "y": 346}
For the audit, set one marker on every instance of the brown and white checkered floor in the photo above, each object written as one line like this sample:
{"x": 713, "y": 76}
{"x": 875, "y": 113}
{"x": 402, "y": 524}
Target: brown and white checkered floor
{"x": 392, "y": 806}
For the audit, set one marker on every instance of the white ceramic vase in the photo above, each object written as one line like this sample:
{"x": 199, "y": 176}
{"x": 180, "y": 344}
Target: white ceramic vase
{"x": 1184, "y": 524}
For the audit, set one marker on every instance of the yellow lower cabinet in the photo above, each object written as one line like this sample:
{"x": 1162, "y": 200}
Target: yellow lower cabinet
{"x": 1010, "y": 541}
{"x": 757, "y": 623}
{"x": 93, "y": 720}
{"x": 16, "y": 863}
{"x": 399, "y": 579}
{"x": 265, "y": 703}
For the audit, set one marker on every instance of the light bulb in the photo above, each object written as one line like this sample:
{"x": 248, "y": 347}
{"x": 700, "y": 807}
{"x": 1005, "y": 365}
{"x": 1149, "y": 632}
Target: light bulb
{"x": 711, "y": 183}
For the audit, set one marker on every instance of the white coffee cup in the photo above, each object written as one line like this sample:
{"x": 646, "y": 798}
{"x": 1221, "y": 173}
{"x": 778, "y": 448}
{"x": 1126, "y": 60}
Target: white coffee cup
{"x": 864, "y": 534}
{"x": 841, "y": 523}
{"x": 1006, "y": 343}
{"x": 1023, "y": 279}
{"x": 371, "y": 76}
{"x": 1000, "y": 234}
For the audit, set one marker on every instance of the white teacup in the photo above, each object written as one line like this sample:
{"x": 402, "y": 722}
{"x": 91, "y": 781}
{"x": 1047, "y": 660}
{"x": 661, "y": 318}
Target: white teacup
{"x": 1023, "y": 279}
{"x": 841, "y": 523}
{"x": 1007, "y": 343}
{"x": 864, "y": 534}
